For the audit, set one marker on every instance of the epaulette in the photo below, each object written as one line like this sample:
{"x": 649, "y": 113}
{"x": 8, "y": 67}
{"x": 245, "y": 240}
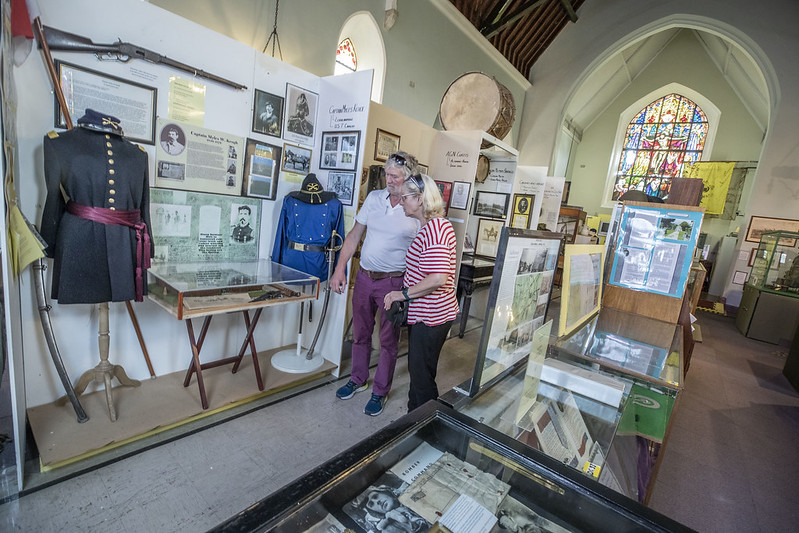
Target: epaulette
{"x": 141, "y": 148}
{"x": 52, "y": 134}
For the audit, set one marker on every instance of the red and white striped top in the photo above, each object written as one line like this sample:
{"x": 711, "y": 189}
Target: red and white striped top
{"x": 432, "y": 252}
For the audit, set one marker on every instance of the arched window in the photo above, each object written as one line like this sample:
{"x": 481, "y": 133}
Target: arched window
{"x": 346, "y": 59}
{"x": 660, "y": 140}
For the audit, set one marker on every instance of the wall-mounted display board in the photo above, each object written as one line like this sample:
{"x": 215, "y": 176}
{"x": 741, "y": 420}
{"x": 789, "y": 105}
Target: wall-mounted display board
{"x": 191, "y": 227}
{"x": 581, "y": 290}
{"x": 517, "y": 302}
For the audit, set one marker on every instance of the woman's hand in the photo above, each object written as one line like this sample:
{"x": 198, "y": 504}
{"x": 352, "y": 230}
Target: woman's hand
{"x": 393, "y": 296}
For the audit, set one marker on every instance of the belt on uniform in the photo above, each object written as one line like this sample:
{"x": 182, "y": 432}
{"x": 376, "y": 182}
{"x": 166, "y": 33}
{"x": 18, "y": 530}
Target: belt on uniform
{"x": 382, "y": 275}
{"x": 300, "y": 247}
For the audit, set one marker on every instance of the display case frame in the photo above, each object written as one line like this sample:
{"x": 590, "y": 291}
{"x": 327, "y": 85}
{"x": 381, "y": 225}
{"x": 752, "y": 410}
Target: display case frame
{"x": 555, "y": 491}
{"x": 773, "y": 268}
{"x": 524, "y": 267}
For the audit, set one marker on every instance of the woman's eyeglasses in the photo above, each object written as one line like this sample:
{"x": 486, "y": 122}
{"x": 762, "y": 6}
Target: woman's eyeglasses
{"x": 418, "y": 181}
{"x": 400, "y": 160}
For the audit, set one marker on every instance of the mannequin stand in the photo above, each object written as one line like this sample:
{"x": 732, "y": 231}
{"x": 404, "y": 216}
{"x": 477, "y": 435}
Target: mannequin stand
{"x": 104, "y": 372}
{"x": 296, "y": 361}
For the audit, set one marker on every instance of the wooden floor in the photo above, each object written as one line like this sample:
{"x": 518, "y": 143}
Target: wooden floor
{"x": 730, "y": 463}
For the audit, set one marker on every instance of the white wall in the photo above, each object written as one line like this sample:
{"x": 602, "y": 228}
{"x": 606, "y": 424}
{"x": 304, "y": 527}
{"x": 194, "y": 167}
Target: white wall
{"x": 766, "y": 30}
{"x": 227, "y": 110}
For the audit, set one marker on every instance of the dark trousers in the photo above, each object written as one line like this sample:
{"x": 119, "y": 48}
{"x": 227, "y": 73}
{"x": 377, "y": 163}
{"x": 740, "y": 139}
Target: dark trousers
{"x": 424, "y": 347}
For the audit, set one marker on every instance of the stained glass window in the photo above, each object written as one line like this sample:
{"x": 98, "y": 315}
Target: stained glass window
{"x": 664, "y": 137}
{"x": 345, "y": 55}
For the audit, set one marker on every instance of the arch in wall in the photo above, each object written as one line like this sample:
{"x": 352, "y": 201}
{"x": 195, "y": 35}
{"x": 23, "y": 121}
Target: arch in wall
{"x": 731, "y": 35}
{"x": 364, "y": 32}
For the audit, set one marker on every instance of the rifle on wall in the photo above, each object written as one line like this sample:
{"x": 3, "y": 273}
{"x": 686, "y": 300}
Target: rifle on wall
{"x": 123, "y": 52}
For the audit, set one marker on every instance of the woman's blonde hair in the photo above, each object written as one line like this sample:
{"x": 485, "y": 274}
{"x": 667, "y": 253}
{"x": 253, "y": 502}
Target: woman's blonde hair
{"x": 432, "y": 202}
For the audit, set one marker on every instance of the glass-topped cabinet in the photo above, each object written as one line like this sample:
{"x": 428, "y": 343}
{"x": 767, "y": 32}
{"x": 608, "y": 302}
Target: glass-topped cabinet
{"x": 197, "y": 289}
{"x": 769, "y": 308}
{"x": 437, "y": 470}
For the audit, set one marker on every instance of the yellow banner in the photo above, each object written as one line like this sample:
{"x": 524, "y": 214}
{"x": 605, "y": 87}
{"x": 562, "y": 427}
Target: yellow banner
{"x": 716, "y": 179}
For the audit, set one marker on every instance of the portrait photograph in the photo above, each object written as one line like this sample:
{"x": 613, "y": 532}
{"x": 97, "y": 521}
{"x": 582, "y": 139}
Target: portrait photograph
{"x": 241, "y": 223}
{"x": 522, "y": 209}
{"x": 300, "y": 114}
{"x": 460, "y": 195}
{"x": 267, "y": 113}
{"x": 173, "y": 139}
{"x": 343, "y": 184}
{"x": 296, "y": 159}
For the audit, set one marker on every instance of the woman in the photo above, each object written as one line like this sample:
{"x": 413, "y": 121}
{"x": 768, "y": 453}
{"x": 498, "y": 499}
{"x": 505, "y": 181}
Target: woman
{"x": 429, "y": 284}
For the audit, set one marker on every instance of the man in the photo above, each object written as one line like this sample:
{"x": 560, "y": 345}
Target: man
{"x": 268, "y": 121}
{"x": 171, "y": 144}
{"x": 242, "y": 232}
{"x": 388, "y": 234}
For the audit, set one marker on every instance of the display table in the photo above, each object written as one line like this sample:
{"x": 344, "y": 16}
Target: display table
{"x": 195, "y": 290}
{"x": 415, "y": 473}
{"x": 475, "y": 272}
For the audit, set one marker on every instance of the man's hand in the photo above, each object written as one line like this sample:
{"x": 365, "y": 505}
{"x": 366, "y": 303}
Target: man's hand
{"x": 338, "y": 282}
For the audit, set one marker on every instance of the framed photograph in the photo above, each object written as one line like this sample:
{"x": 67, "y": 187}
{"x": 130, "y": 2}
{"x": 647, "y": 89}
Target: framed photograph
{"x": 385, "y": 144}
{"x": 760, "y": 225}
{"x": 491, "y": 204}
{"x": 261, "y": 169}
{"x": 84, "y": 88}
{"x": 339, "y": 150}
{"x": 566, "y": 188}
{"x": 522, "y": 208}
{"x": 267, "y": 113}
{"x": 739, "y": 278}
{"x": 300, "y": 114}
{"x": 581, "y": 287}
{"x": 460, "y": 195}
{"x": 487, "y": 237}
{"x": 445, "y": 188}
{"x": 296, "y": 159}
{"x": 422, "y": 168}
{"x": 343, "y": 184}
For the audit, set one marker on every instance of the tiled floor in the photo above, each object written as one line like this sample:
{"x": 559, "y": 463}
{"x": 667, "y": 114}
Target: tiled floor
{"x": 730, "y": 464}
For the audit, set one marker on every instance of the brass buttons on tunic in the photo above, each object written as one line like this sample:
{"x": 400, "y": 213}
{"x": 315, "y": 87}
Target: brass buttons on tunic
{"x": 110, "y": 152}
{"x": 112, "y": 191}
{"x": 108, "y": 144}
{"x": 111, "y": 171}
{"x": 112, "y": 208}
{"x": 110, "y": 161}
{"x": 110, "y": 182}
{"x": 110, "y": 200}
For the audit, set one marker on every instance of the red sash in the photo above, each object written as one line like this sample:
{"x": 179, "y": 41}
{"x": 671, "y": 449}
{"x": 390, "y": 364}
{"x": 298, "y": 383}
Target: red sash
{"x": 130, "y": 218}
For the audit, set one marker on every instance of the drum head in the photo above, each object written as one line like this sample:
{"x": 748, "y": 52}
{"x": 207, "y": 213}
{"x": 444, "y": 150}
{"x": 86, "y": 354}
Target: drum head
{"x": 483, "y": 166}
{"x": 472, "y": 102}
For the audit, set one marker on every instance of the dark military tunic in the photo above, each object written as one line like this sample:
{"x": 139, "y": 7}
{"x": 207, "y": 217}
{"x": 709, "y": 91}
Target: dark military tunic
{"x": 307, "y": 220}
{"x": 94, "y": 262}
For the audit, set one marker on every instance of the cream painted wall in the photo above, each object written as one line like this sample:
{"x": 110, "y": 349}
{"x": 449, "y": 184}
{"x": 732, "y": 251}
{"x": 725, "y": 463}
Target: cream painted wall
{"x": 772, "y": 41}
{"x": 425, "y": 51}
{"x": 683, "y": 61}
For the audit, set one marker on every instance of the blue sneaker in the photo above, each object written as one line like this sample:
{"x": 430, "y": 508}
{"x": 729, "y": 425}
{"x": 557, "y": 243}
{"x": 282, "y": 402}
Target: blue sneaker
{"x": 348, "y": 391}
{"x": 375, "y": 406}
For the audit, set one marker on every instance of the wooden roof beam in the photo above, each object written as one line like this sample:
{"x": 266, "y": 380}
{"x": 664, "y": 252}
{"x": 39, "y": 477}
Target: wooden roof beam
{"x": 494, "y": 28}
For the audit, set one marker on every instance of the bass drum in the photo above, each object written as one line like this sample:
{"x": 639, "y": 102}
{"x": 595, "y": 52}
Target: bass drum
{"x": 476, "y": 101}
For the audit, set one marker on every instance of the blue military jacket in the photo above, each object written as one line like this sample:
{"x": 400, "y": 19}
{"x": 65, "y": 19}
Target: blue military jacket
{"x": 303, "y": 223}
{"x": 93, "y": 262}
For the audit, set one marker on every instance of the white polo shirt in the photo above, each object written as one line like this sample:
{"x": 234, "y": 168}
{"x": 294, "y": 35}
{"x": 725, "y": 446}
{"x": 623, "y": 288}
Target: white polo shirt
{"x": 388, "y": 233}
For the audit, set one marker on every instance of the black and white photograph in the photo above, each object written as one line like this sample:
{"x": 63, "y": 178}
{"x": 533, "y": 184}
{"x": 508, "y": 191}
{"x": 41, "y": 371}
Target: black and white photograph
{"x": 172, "y": 171}
{"x": 491, "y": 204}
{"x": 300, "y": 114}
{"x": 343, "y": 184}
{"x": 296, "y": 159}
{"x": 339, "y": 150}
{"x": 378, "y": 508}
{"x": 173, "y": 140}
{"x": 460, "y": 195}
{"x": 267, "y": 113}
{"x": 241, "y": 220}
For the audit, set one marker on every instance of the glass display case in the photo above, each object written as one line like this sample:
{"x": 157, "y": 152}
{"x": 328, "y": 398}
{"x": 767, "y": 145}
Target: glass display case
{"x": 437, "y": 470}
{"x": 200, "y": 289}
{"x": 775, "y": 267}
{"x": 769, "y": 308}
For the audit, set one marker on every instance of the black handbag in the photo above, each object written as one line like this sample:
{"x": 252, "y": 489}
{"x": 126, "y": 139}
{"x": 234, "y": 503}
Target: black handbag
{"x": 398, "y": 313}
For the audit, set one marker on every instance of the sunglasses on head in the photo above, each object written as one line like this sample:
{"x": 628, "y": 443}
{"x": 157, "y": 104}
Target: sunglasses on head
{"x": 400, "y": 160}
{"x": 418, "y": 181}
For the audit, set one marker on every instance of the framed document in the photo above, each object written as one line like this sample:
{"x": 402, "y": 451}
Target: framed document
{"x": 522, "y": 208}
{"x": 487, "y": 237}
{"x": 760, "y": 225}
{"x": 445, "y": 188}
{"x": 385, "y": 144}
{"x": 343, "y": 184}
{"x": 134, "y": 103}
{"x": 339, "y": 150}
{"x": 261, "y": 169}
{"x": 460, "y": 195}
